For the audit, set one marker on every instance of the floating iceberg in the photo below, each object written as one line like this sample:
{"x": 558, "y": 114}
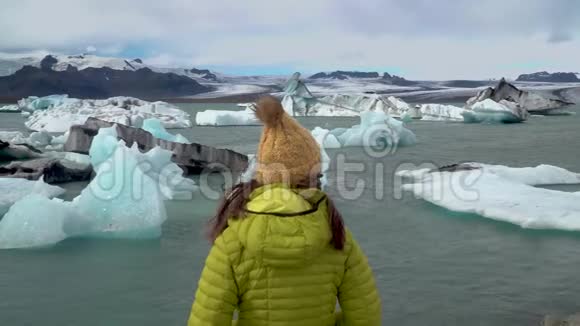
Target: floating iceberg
{"x": 297, "y": 96}
{"x": 529, "y": 101}
{"x": 124, "y": 200}
{"x": 56, "y": 113}
{"x": 27, "y": 225}
{"x": 38, "y": 139}
{"x": 226, "y": 118}
{"x": 350, "y": 105}
{"x": 484, "y": 111}
{"x": 80, "y": 159}
{"x": 345, "y": 105}
{"x": 299, "y": 101}
{"x": 34, "y": 103}
{"x": 9, "y": 108}
{"x": 14, "y": 137}
{"x": 193, "y": 158}
{"x": 248, "y": 174}
{"x": 540, "y": 175}
{"x": 156, "y": 163}
{"x": 401, "y": 109}
{"x": 490, "y": 111}
{"x": 441, "y": 112}
{"x": 14, "y": 189}
{"x": 155, "y": 127}
{"x": 60, "y": 140}
{"x": 325, "y": 139}
{"x": 377, "y": 130}
{"x": 502, "y": 193}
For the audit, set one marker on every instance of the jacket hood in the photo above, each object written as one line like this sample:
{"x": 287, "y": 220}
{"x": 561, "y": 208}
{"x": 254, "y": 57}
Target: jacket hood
{"x": 284, "y": 227}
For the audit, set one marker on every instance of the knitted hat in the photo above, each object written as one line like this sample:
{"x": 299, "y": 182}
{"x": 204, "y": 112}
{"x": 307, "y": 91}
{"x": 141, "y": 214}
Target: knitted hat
{"x": 287, "y": 152}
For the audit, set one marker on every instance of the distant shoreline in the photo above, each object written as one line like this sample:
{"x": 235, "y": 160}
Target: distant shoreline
{"x": 239, "y": 98}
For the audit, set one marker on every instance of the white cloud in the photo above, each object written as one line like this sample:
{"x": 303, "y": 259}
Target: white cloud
{"x": 425, "y": 39}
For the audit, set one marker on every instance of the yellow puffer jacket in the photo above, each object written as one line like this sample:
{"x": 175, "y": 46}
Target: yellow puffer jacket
{"x": 276, "y": 267}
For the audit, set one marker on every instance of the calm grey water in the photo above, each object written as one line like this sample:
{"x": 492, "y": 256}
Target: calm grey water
{"x": 433, "y": 267}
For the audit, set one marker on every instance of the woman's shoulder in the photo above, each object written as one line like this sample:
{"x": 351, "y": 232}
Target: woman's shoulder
{"x": 229, "y": 243}
{"x": 349, "y": 240}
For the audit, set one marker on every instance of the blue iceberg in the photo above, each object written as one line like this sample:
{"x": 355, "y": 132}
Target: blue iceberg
{"x": 377, "y": 130}
{"x": 27, "y": 224}
{"x": 155, "y": 127}
{"x": 14, "y": 189}
{"x": 124, "y": 200}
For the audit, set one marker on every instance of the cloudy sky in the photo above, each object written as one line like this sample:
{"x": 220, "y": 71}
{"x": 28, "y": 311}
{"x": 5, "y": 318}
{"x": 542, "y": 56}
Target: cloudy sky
{"x": 418, "y": 39}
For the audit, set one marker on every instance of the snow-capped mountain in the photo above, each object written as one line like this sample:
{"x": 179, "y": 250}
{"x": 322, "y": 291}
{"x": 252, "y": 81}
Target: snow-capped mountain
{"x": 89, "y": 75}
{"x": 344, "y": 75}
{"x": 199, "y": 75}
{"x": 96, "y": 77}
{"x": 10, "y": 63}
{"x": 362, "y": 75}
{"x": 556, "y": 77}
{"x": 84, "y": 61}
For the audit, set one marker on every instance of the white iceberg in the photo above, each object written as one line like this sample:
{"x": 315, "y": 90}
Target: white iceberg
{"x": 489, "y": 110}
{"x": 297, "y": 97}
{"x": 38, "y": 139}
{"x": 34, "y": 103}
{"x": 13, "y": 137}
{"x": 60, "y": 140}
{"x": 248, "y": 174}
{"x": 349, "y": 105}
{"x": 14, "y": 189}
{"x": 401, "y": 109}
{"x": 9, "y": 108}
{"x": 226, "y": 118}
{"x": 540, "y": 175}
{"x": 325, "y": 139}
{"x": 155, "y": 127}
{"x": 441, "y": 112}
{"x": 57, "y": 113}
{"x": 504, "y": 194}
{"x": 345, "y": 105}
